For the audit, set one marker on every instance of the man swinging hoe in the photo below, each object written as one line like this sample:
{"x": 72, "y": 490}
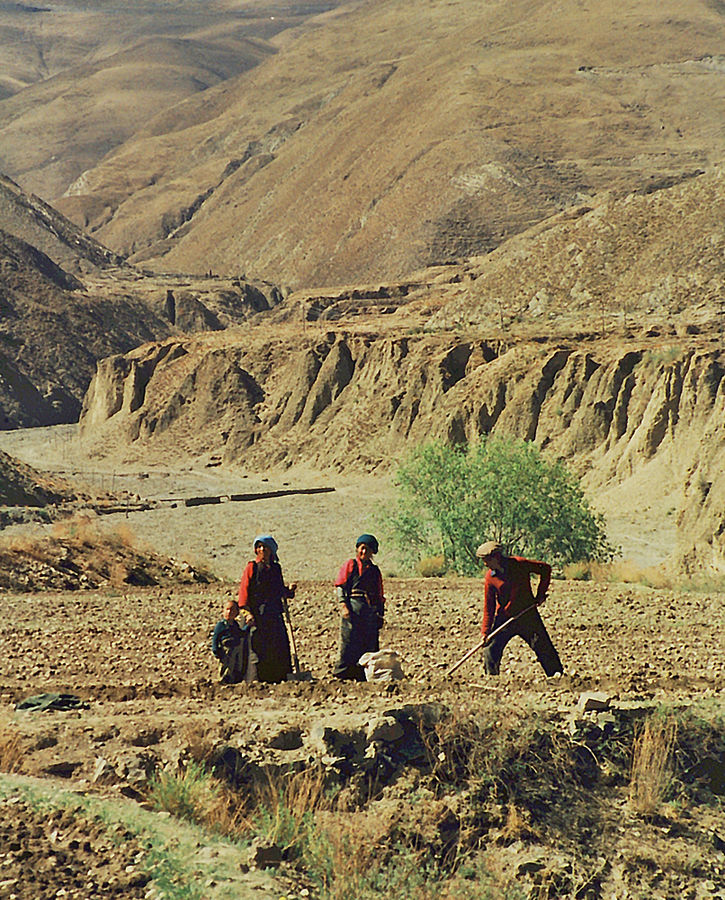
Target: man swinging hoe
{"x": 510, "y": 608}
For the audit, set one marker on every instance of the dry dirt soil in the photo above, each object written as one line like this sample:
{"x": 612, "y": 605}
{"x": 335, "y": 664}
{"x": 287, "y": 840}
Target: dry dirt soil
{"x": 140, "y": 658}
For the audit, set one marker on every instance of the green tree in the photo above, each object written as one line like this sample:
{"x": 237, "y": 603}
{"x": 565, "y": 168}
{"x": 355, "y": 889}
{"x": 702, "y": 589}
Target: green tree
{"x": 451, "y": 498}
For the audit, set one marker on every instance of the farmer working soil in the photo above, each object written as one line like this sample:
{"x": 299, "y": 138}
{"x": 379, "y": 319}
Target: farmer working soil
{"x": 359, "y": 589}
{"x": 507, "y": 594}
{"x": 262, "y": 595}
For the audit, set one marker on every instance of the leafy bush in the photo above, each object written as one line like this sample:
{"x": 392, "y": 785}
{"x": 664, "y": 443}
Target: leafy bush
{"x": 453, "y": 498}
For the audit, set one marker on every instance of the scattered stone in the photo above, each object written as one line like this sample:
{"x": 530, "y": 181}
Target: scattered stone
{"x": 136, "y": 768}
{"x": 104, "y": 772}
{"x": 594, "y": 700}
{"x": 288, "y": 739}
{"x": 384, "y": 728}
{"x": 263, "y": 855}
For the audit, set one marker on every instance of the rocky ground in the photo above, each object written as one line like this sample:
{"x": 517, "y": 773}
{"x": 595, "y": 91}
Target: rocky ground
{"x": 525, "y": 780}
{"x": 140, "y": 659}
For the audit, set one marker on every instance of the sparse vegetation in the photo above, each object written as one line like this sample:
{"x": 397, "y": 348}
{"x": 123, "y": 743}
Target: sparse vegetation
{"x": 191, "y": 794}
{"x": 453, "y": 497}
{"x": 625, "y": 571}
{"x": 517, "y": 777}
{"x": 664, "y": 356}
{"x": 432, "y": 566}
{"x": 11, "y": 747}
{"x": 652, "y": 764}
{"x": 80, "y": 554}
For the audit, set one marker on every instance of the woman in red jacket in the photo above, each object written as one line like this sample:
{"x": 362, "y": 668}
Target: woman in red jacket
{"x": 262, "y": 596}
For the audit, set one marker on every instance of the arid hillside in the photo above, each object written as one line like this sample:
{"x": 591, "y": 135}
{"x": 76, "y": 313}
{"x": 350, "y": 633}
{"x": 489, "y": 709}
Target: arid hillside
{"x": 395, "y": 135}
{"x": 82, "y": 77}
{"x": 66, "y": 302}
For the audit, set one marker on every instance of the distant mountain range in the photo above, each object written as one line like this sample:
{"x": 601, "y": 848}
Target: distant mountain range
{"x": 312, "y": 145}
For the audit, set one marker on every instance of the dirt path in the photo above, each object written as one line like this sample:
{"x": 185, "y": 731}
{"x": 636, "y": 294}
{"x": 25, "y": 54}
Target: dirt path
{"x": 219, "y": 536}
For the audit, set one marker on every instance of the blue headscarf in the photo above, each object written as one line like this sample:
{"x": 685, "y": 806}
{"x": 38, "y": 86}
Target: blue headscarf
{"x": 369, "y": 540}
{"x": 268, "y": 541}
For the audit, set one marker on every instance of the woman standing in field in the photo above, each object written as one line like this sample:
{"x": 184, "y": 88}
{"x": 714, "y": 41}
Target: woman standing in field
{"x": 262, "y": 597}
{"x": 359, "y": 588}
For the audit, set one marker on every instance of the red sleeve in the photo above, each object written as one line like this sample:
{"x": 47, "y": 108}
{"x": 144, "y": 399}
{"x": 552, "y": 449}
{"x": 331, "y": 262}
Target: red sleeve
{"x": 344, "y": 573}
{"x": 489, "y": 605}
{"x": 543, "y": 570}
{"x": 243, "y": 599}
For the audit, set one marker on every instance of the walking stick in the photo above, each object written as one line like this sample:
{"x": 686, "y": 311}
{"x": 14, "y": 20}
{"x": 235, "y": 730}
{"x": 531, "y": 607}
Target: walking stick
{"x": 298, "y": 674}
{"x": 481, "y": 644}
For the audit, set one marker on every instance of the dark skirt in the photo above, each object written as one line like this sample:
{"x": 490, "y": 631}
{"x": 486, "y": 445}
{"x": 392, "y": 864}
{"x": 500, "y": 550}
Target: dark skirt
{"x": 271, "y": 644}
{"x": 359, "y": 634}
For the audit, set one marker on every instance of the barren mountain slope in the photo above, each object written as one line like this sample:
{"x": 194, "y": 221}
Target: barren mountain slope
{"x": 625, "y": 400}
{"x": 32, "y": 220}
{"x": 67, "y": 301}
{"x": 52, "y": 332}
{"x": 655, "y": 257}
{"x": 400, "y": 133}
{"x": 78, "y": 79}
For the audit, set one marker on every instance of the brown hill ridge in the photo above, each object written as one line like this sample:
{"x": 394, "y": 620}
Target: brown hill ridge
{"x": 657, "y": 257}
{"x": 625, "y": 399}
{"x": 420, "y": 135}
{"x": 67, "y": 302}
{"x": 83, "y": 79}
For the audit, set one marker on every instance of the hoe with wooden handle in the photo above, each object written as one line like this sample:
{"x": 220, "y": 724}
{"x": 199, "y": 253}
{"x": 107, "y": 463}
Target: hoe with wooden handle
{"x": 481, "y": 644}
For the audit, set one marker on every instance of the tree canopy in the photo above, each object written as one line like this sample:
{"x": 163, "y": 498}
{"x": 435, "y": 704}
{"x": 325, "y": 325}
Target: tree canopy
{"x": 451, "y": 498}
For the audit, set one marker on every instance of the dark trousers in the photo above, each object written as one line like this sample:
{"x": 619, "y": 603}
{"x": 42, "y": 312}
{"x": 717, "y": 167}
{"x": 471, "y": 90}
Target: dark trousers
{"x": 358, "y": 634}
{"x": 271, "y": 644}
{"x": 234, "y": 662}
{"x": 532, "y": 629}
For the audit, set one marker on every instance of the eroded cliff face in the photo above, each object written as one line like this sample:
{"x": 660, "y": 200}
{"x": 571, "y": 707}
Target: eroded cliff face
{"x": 348, "y": 401}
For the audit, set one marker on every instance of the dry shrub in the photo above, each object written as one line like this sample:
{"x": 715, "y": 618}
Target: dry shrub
{"x": 652, "y": 764}
{"x": 194, "y": 794}
{"x": 620, "y": 571}
{"x": 432, "y": 566}
{"x": 517, "y": 826}
{"x": 283, "y": 806}
{"x": 123, "y": 535}
{"x": 80, "y": 529}
{"x": 200, "y": 740}
{"x": 11, "y": 747}
{"x": 38, "y": 549}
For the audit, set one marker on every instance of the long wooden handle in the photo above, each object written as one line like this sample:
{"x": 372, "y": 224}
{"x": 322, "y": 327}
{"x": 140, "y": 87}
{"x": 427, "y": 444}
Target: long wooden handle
{"x": 488, "y": 640}
{"x": 468, "y": 655}
{"x": 291, "y": 630}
